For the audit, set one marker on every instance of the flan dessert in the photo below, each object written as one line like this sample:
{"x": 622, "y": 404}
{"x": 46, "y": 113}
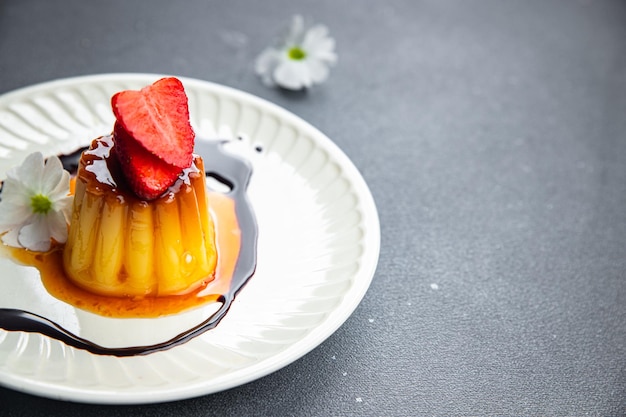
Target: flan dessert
{"x": 140, "y": 222}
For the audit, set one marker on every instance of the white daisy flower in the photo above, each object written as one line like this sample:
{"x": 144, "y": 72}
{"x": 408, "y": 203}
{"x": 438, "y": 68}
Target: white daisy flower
{"x": 34, "y": 204}
{"x": 300, "y": 59}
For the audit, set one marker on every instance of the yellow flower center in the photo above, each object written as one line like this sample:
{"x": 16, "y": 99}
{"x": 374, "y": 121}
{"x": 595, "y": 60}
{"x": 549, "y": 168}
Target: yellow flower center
{"x": 296, "y": 53}
{"x": 40, "y": 203}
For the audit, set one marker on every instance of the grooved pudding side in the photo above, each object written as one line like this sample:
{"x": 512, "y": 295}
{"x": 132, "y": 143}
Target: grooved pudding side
{"x": 120, "y": 245}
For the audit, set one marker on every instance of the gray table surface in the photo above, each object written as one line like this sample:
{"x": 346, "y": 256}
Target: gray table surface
{"x": 492, "y": 135}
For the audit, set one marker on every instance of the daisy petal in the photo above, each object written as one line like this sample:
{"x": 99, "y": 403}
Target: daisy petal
{"x": 60, "y": 190}
{"x": 64, "y": 206}
{"x": 57, "y": 226}
{"x": 324, "y": 51}
{"x": 266, "y": 61}
{"x": 31, "y": 170}
{"x": 317, "y": 70}
{"x": 36, "y": 235}
{"x": 291, "y": 75}
{"x": 13, "y": 192}
{"x": 52, "y": 175}
{"x": 13, "y": 216}
{"x": 296, "y": 29}
{"x": 10, "y": 238}
{"x": 314, "y": 35}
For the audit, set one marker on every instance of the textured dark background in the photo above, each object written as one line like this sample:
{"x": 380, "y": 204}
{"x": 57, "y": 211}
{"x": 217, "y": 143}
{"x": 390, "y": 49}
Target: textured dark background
{"x": 493, "y": 137}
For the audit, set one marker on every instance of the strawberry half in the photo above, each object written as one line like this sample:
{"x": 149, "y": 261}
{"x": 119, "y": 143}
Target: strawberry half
{"x": 157, "y": 117}
{"x": 146, "y": 174}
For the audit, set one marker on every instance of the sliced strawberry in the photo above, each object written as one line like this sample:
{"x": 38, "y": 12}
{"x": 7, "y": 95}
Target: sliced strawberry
{"x": 157, "y": 117}
{"x": 146, "y": 174}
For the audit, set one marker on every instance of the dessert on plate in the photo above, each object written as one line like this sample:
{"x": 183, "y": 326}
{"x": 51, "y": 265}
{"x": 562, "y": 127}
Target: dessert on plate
{"x": 140, "y": 224}
{"x": 140, "y": 235}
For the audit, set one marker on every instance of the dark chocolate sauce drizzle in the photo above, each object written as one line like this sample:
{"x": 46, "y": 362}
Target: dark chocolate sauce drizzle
{"x": 224, "y": 167}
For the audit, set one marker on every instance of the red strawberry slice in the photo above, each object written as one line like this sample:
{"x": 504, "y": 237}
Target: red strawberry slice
{"x": 146, "y": 174}
{"x": 157, "y": 118}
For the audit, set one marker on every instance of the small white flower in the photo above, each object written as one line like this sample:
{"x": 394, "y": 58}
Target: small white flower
{"x": 34, "y": 204}
{"x": 300, "y": 59}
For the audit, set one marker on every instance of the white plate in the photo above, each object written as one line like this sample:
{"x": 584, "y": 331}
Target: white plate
{"x": 318, "y": 247}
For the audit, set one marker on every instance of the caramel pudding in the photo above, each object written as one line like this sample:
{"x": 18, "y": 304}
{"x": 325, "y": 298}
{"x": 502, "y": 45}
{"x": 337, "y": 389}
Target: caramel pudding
{"x": 121, "y": 245}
